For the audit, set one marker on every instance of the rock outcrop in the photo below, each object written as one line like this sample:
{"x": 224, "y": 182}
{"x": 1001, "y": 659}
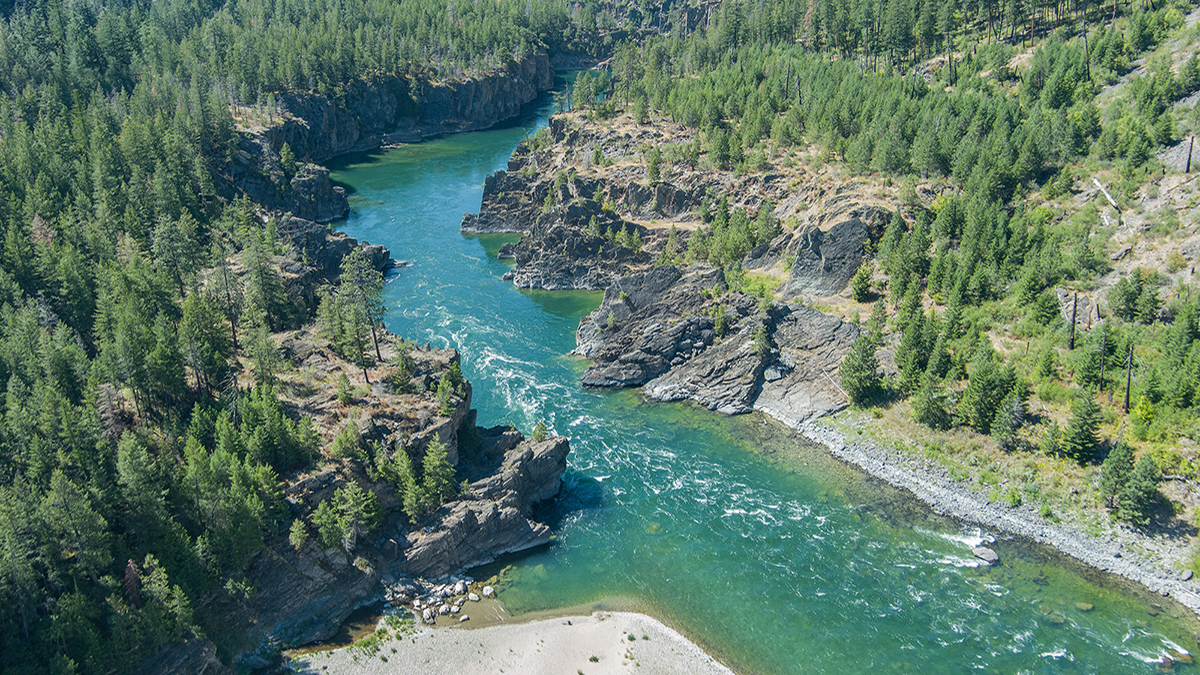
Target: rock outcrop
{"x": 682, "y": 336}
{"x": 492, "y": 518}
{"x": 828, "y": 254}
{"x": 395, "y": 110}
{"x": 580, "y": 179}
{"x": 193, "y": 655}
{"x": 303, "y": 595}
{"x": 367, "y": 116}
{"x": 306, "y": 192}
{"x": 557, "y": 257}
{"x": 321, "y": 247}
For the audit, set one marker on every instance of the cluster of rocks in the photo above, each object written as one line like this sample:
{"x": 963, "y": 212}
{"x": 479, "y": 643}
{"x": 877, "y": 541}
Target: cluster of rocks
{"x": 556, "y": 257}
{"x": 429, "y": 601}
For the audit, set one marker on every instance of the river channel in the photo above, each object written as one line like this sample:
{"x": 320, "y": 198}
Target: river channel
{"x": 760, "y": 547}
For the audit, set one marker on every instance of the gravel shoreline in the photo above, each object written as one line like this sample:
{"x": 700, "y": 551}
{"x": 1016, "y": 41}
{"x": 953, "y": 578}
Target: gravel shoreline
{"x": 933, "y": 486}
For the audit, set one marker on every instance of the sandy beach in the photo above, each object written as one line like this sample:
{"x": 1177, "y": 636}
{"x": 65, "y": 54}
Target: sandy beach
{"x": 594, "y": 645}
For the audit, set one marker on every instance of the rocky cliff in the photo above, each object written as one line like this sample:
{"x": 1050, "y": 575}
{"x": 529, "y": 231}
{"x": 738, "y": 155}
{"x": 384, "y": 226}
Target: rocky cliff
{"x": 392, "y": 110}
{"x": 576, "y": 185}
{"x": 304, "y": 594}
{"x": 681, "y": 335}
{"x": 365, "y": 116}
{"x": 492, "y": 517}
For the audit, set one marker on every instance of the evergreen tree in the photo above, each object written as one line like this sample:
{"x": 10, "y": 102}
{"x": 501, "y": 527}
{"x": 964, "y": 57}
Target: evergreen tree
{"x": 860, "y": 284}
{"x": 860, "y": 371}
{"x": 1115, "y": 472}
{"x": 1080, "y": 440}
{"x": 929, "y": 403}
{"x": 1140, "y": 492}
{"x": 980, "y": 400}
{"x": 361, "y": 290}
{"x": 1010, "y": 416}
{"x": 437, "y": 481}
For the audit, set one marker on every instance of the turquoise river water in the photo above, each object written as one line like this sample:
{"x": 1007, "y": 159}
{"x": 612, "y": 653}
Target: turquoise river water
{"x": 763, "y": 549}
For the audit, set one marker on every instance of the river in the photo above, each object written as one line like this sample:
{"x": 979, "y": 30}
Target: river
{"x": 760, "y": 547}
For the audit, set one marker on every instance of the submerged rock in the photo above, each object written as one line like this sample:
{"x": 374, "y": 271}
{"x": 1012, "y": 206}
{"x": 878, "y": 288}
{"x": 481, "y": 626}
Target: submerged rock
{"x": 985, "y": 554}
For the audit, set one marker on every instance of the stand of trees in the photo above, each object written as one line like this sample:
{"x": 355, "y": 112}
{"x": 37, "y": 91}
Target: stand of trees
{"x": 766, "y": 78}
{"x": 136, "y": 478}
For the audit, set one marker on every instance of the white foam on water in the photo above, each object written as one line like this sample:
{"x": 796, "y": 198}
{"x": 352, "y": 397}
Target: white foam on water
{"x": 971, "y": 540}
{"x": 958, "y": 562}
{"x": 1173, "y": 647}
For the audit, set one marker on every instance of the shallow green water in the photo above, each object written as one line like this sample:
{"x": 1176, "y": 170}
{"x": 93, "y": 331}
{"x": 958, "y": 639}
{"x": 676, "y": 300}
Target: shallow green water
{"x": 765, "y": 550}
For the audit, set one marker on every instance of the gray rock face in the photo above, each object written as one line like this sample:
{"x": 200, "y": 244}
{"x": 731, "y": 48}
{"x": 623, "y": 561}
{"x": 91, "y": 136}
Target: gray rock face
{"x": 376, "y": 113}
{"x": 657, "y": 329}
{"x": 324, "y": 248}
{"x": 190, "y": 656}
{"x": 724, "y": 377}
{"x": 555, "y": 257}
{"x": 827, "y": 257}
{"x": 645, "y": 322}
{"x": 494, "y": 520}
{"x": 800, "y": 384}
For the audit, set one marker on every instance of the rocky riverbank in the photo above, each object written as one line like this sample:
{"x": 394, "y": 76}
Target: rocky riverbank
{"x": 934, "y": 486}
{"x": 573, "y": 189}
{"x": 684, "y": 333}
{"x": 300, "y": 594}
{"x": 368, "y": 115}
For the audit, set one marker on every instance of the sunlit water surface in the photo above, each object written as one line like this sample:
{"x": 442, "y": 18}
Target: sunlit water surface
{"x": 760, "y": 547}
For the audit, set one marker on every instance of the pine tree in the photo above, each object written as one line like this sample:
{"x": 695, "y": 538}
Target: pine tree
{"x": 860, "y": 284}
{"x": 1140, "y": 492}
{"x": 860, "y": 371}
{"x": 1080, "y": 440}
{"x": 977, "y": 407}
{"x": 1010, "y": 415}
{"x": 361, "y": 289}
{"x": 929, "y": 403}
{"x": 437, "y": 481}
{"x": 287, "y": 160}
{"x": 1115, "y": 472}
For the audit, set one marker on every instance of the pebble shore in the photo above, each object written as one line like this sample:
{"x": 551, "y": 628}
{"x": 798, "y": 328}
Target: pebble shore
{"x": 932, "y": 485}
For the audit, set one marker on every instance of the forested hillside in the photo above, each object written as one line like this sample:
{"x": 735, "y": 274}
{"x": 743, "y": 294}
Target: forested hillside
{"x": 1001, "y": 114}
{"x": 143, "y": 444}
